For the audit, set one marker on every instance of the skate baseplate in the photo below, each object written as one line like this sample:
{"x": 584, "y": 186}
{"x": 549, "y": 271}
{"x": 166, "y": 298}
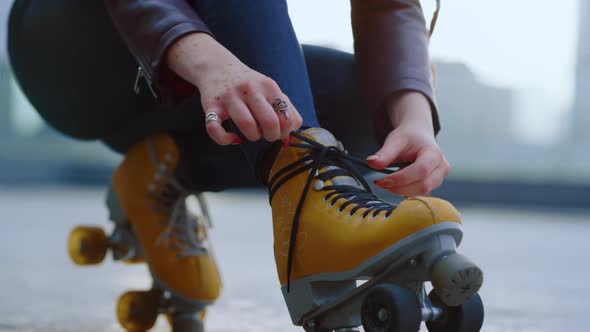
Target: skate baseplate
{"x": 388, "y": 292}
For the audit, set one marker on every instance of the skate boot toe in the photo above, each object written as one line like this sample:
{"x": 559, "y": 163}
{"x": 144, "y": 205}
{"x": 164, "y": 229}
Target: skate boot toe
{"x": 326, "y": 217}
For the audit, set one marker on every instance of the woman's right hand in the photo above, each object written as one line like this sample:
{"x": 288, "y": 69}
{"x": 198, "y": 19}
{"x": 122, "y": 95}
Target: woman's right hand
{"x": 232, "y": 90}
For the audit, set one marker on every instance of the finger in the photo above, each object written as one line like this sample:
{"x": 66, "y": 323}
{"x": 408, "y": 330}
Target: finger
{"x": 265, "y": 116}
{"x": 273, "y": 93}
{"x": 422, "y": 187}
{"x": 425, "y": 164}
{"x": 392, "y": 147}
{"x": 240, "y": 114}
{"x": 447, "y": 166}
{"x": 295, "y": 119}
{"x": 297, "y": 122}
{"x": 217, "y": 133}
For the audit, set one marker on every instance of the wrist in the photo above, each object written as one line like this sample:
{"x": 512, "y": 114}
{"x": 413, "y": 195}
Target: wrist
{"x": 410, "y": 108}
{"x": 196, "y": 54}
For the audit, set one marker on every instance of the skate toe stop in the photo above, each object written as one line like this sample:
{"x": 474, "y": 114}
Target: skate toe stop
{"x": 456, "y": 279}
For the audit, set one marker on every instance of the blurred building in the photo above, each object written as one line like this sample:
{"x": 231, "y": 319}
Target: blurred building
{"x": 473, "y": 111}
{"x": 4, "y": 9}
{"x": 5, "y": 99}
{"x": 5, "y": 95}
{"x": 580, "y": 116}
{"x": 477, "y": 121}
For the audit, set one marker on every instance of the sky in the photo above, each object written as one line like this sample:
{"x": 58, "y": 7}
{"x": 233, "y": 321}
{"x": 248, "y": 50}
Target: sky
{"x": 528, "y": 45}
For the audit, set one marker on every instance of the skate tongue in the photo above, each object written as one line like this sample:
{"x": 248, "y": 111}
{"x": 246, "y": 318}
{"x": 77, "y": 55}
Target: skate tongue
{"x": 325, "y": 138}
{"x": 321, "y": 136}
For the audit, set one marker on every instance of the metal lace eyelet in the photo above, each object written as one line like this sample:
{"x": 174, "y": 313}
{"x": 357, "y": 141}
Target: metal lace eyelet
{"x": 318, "y": 185}
{"x": 340, "y": 210}
{"x": 350, "y": 214}
{"x": 324, "y": 199}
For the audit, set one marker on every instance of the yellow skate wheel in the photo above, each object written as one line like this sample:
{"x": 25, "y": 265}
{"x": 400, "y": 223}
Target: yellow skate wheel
{"x": 87, "y": 245}
{"x": 137, "y": 311}
{"x": 134, "y": 260}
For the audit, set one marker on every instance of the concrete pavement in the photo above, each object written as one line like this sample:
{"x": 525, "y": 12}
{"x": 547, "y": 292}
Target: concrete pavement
{"x": 535, "y": 266}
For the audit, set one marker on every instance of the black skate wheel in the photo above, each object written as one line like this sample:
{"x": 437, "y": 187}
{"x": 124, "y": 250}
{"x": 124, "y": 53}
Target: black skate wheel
{"x": 391, "y": 308}
{"x": 465, "y": 318}
{"x": 186, "y": 323}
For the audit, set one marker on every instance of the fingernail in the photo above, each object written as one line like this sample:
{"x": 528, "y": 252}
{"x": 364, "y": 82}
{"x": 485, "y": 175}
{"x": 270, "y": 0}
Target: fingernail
{"x": 237, "y": 141}
{"x": 373, "y": 157}
{"x": 287, "y": 141}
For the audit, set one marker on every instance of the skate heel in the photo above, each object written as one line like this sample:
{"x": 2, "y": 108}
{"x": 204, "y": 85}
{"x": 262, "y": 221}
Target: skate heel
{"x": 305, "y": 296}
{"x": 456, "y": 279}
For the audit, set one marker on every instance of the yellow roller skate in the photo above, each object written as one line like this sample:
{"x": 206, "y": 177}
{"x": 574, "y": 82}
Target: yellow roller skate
{"x": 331, "y": 231}
{"x": 153, "y": 224}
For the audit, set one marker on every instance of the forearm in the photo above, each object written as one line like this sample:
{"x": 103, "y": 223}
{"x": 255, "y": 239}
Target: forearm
{"x": 391, "y": 47}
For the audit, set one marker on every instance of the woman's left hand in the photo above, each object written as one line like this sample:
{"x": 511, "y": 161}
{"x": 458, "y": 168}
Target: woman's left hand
{"x": 412, "y": 141}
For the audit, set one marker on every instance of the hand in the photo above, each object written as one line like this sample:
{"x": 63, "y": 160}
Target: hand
{"x": 232, "y": 90}
{"x": 412, "y": 141}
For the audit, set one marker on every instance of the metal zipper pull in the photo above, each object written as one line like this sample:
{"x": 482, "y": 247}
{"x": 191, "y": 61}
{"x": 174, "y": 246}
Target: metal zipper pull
{"x": 142, "y": 75}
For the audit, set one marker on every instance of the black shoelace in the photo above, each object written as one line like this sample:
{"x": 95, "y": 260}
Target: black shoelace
{"x": 321, "y": 156}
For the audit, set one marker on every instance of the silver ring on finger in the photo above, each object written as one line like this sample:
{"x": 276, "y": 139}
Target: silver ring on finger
{"x": 211, "y": 116}
{"x": 281, "y": 107}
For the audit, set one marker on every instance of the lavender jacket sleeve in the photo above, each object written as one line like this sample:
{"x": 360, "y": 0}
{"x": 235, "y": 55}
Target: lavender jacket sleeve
{"x": 391, "y": 48}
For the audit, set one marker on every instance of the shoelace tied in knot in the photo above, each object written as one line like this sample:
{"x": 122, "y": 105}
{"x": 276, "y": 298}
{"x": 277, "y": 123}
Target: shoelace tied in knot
{"x": 338, "y": 163}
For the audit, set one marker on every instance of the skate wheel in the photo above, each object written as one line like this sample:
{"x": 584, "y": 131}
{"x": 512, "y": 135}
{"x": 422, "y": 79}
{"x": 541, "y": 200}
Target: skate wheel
{"x": 189, "y": 322}
{"x": 314, "y": 328}
{"x": 456, "y": 278}
{"x": 199, "y": 315}
{"x": 87, "y": 245}
{"x": 465, "y": 318}
{"x": 137, "y": 311}
{"x": 391, "y": 308}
